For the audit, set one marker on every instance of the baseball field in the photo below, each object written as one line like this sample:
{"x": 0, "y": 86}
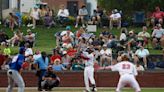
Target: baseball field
{"x": 81, "y": 89}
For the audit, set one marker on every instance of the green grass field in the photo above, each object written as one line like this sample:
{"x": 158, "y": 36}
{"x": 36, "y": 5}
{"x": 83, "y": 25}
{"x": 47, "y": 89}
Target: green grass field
{"x": 74, "y": 89}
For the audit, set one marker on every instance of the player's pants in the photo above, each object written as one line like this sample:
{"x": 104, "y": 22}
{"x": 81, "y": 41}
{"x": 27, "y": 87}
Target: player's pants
{"x": 128, "y": 79}
{"x": 15, "y": 77}
{"x": 89, "y": 75}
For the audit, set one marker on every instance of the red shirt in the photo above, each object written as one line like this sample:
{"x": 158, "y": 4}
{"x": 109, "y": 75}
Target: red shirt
{"x": 71, "y": 52}
{"x": 54, "y": 57}
{"x": 158, "y": 15}
{"x": 2, "y": 59}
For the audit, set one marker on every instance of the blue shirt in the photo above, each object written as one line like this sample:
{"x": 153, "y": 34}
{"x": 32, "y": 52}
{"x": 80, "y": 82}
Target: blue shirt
{"x": 17, "y": 62}
{"x": 57, "y": 67}
{"x": 41, "y": 63}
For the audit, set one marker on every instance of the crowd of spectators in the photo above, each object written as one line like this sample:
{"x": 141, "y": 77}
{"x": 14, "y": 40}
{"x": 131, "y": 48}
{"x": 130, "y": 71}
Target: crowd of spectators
{"x": 69, "y": 44}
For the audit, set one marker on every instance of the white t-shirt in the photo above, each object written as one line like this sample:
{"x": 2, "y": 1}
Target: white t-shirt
{"x": 63, "y": 13}
{"x": 123, "y": 37}
{"x": 28, "y": 52}
{"x": 142, "y": 53}
{"x": 35, "y": 14}
{"x": 107, "y": 52}
{"x": 115, "y": 16}
{"x": 125, "y": 67}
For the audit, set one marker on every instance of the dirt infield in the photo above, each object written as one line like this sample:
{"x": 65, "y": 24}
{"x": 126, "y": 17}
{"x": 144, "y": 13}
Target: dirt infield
{"x": 77, "y": 89}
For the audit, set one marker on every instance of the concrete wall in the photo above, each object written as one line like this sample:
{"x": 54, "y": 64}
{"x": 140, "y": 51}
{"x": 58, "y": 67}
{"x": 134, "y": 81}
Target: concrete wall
{"x": 6, "y": 12}
{"x": 103, "y": 79}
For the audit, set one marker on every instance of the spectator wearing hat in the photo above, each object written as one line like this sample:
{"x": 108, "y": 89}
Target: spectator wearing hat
{"x": 131, "y": 41}
{"x": 30, "y": 38}
{"x": 115, "y": 19}
{"x": 63, "y": 14}
{"x": 82, "y": 15}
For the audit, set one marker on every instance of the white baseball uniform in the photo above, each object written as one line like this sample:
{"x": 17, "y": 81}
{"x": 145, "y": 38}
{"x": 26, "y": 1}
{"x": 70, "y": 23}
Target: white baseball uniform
{"x": 127, "y": 73}
{"x": 89, "y": 70}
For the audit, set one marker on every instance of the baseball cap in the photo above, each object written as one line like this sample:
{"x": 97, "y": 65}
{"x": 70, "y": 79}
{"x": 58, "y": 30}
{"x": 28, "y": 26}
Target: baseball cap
{"x": 22, "y": 49}
{"x": 131, "y": 32}
{"x": 68, "y": 27}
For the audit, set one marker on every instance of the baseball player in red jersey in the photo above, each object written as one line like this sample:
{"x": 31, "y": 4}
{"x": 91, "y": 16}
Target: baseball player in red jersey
{"x": 127, "y": 72}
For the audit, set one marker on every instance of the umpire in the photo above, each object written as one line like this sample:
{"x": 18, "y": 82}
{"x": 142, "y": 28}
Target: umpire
{"x": 50, "y": 80}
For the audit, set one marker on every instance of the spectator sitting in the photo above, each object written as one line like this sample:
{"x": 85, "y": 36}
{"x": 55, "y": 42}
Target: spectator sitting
{"x": 35, "y": 14}
{"x": 63, "y": 15}
{"x": 106, "y": 55}
{"x": 30, "y": 38}
{"x": 50, "y": 79}
{"x": 77, "y": 65}
{"x": 7, "y": 50}
{"x": 139, "y": 67}
{"x": 67, "y": 38}
{"x": 49, "y": 22}
{"x": 3, "y": 37}
{"x": 96, "y": 17}
{"x": 141, "y": 55}
{"x": 2, "y": 58}
{"x": 55, "y": 57}
{"x": 115, "y": 18}
{"x": 66, "y": 60}
{"x": 82, "y": 15}
{"x": 12, "y": 21}
{"x": 143, "y": 36}
{"x": 57, "y": 66}
{"x": 104, "y": 19}
{"x": 37, "y": 55}
{"x": 158, "y": 37}
{"x": 123, "y": 36}
{"x": 157, "y": 16}
{"x": 17, "y": 38}
{"x": 28, "y": 51}
{"x": 131, "y": 41}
